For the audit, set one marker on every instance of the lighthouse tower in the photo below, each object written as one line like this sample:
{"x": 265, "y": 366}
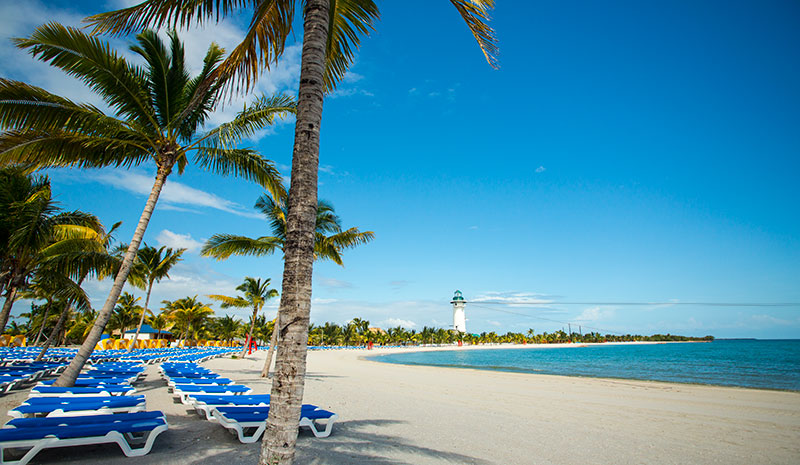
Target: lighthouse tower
{"x": 459, "y": 317}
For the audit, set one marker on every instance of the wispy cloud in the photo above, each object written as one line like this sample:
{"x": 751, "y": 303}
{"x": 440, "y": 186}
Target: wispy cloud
{"x": 334, "y": 283}
{"x": 350, "y": 92}
{"x": 173, "y": 192}
{"x": 173, "y": 240}
{"x": 513, "y": 298}
{"x": 394, "y": 322}
{"x": 595, "y": 314}
{"x": 540, "y": 169}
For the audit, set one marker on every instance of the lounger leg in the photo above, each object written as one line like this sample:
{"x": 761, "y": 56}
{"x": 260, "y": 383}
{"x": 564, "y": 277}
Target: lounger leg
{"x": 130, "y": 451}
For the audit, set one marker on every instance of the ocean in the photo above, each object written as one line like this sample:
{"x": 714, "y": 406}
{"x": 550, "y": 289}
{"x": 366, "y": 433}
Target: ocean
{"x": 766, "y": 364}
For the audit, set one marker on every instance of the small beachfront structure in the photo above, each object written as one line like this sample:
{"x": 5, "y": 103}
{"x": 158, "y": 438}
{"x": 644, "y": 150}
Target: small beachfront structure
{"x": 148, "y": 332}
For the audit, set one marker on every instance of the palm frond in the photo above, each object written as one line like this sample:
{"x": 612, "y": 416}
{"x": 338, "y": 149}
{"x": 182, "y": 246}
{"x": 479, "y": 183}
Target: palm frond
{"x": 243, "y": 163}
{"x": 92, "y": 61}
{"x": 263, "y": 44}
{"x": 68, "y": 149}
{"x": 201, "y": 94}
{"x": 222, "y": 246}
{"x": 230, "y": 302}
{"x": 275, "y": 212}
{"x": 160, "y": 13}
{"x": 24, "y": 107}
{"x": 476, "y": 14}
{"x": 259, "y": 115}
{"x": 349, "y": 19}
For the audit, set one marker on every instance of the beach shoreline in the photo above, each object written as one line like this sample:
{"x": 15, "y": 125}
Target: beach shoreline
{"x": 413, "y": 414}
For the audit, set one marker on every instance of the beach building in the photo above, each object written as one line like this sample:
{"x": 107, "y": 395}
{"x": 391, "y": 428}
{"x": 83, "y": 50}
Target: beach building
{"x": 148, "y": 332}
{"x": 459, "y": 315}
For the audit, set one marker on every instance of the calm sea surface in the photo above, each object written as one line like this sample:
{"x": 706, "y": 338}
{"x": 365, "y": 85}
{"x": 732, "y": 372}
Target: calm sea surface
{"x": 770, "y": 364}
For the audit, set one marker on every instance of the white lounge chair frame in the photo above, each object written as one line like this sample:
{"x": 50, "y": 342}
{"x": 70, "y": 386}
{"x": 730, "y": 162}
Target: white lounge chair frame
{"x": 247, "y": 437}
{"x": 126, "y": 441}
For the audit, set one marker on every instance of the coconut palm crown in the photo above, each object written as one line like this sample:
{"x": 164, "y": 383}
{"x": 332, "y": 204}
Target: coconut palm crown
{"x": 329, "y": 236}
{"x": 159, "y": 110}
{"x": 256, "y": 293}
{"x": 154, "y": 265}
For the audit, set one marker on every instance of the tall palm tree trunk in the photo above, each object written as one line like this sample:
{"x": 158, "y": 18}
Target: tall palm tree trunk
{"x": 11, "y": 296}
{"x": 278, "y": 446}
{"x": 141, "y": 319}
{"x": 54, "y": 333}
{"x": 68, "y": 377}
{"x": 249, "y": 339}
{"x": 273, "y": 342}
{"x": 44, "y": 322}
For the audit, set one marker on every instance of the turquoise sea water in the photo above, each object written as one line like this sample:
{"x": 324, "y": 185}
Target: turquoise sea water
{"x": 769, "y": 364}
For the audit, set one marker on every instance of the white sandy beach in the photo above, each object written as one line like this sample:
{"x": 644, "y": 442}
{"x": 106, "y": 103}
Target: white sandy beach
{"x": 395, "y": 414}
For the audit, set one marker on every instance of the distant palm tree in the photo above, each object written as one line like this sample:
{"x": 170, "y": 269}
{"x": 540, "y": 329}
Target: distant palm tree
{"x": 329, "y": 241}
{"x": 159, "y": 110}
{"x": 154, "y": 266}
{"x": 126, "y": 313}
{"x": 226, "y": 328}
{"x": 159, "y": 323}
{"x": 256, "y": 293}
{"x": 329, "y": 237}
{"x": 188, "y": 314}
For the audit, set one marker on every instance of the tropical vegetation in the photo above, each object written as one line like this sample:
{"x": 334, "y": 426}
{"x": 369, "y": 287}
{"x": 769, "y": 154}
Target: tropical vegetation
{"x": 158, "y": 113}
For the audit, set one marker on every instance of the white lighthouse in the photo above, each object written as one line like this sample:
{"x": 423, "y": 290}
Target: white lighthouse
{"x": 459, "y": 317}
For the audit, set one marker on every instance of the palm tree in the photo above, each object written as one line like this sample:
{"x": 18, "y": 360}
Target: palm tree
{"x": 331, "y": 31}
{"x": 125, "y": 313}
{"x": 188, "y": 314}
{"x": 226, "y": 328}
{"x": 35, "y": 231}
{"x": 256, "y": 294}
{"x": 329, "y": 241}
{"x": 159, "y": 323}
{"x": 159, "y": 110}
{"x": 155, "y": 265}
{"x": 329, "y": 237}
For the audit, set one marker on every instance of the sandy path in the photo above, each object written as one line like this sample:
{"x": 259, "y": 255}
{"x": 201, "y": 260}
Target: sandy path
{"x": 392, "y": 414}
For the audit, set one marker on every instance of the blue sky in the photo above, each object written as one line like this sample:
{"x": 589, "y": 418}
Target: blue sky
{"x": 622, "y": 153}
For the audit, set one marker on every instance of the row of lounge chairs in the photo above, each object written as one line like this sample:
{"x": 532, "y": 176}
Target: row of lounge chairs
{"x": 101, "y": 408}
{"x": 234, "y": 406}
{"x": 20, "y": 374}
{"x": 189, "y": 354}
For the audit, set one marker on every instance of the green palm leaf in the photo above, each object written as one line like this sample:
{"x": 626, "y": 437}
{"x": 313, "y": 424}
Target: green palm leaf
{"x": 222, "y": 246}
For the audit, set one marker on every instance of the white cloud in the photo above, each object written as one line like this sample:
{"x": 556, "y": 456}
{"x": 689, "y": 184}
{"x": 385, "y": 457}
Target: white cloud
{"x": 541, "y": 169}
{"x": 173, "y": 240}
{"x": 334, "y": 283}
{"x": 394, "y": 322}
{"x": 512, "y": 298}
{"x": 494, "y": 323}
{"x": 19, "y": 19}
{"x": 594, "y": 314}
{"x": 172, "y": 193}
{"x": 350, "y": 92}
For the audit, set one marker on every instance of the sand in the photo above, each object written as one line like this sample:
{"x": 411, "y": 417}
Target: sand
{"x": 395, "y": 414}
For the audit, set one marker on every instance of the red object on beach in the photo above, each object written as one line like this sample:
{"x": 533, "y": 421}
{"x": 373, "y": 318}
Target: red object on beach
{"x": 460, "y": 343}
{"x": 252, "y": 345}
{"x": 369, "y": 345}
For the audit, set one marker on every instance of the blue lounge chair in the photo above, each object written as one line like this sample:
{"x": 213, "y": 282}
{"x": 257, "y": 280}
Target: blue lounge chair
{"x": 184, "y": 390}
{"x": 249, "y": 423}
{"x": 133, "y": 432}
{"x": 107, "y": 390}
{"x": 72, "y": 406}
{"x": 199, "y": 381}
{"x": 205, "y": 403}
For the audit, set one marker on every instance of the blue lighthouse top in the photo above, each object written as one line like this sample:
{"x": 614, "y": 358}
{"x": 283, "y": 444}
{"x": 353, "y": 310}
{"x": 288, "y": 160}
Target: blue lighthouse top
{"x": 457, "y": 297}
